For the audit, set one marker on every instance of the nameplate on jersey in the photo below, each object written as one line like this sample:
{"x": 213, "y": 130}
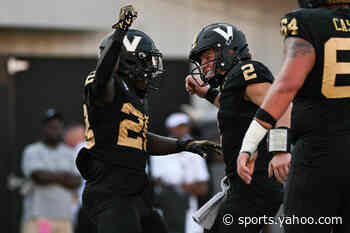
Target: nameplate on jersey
{"x": 131, "y": 46}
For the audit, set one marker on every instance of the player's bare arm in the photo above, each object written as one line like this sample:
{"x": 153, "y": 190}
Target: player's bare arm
{"x": 160, "y": 145}
{"x": 256, "y": 92}
{"x": 298, "y": 61}
{"x": 280, "y": 164}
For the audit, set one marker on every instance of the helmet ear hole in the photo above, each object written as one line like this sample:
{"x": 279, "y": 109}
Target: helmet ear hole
{"x": 228, "y": 42}
{"x": 142, "y": 55}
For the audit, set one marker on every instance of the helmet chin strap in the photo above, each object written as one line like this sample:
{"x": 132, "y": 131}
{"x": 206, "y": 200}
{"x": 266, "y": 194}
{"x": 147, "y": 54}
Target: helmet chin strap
{"x": 237, "y": 58}
{"x": 216, "y": 80}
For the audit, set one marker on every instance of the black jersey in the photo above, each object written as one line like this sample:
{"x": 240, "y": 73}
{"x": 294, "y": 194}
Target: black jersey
{"x": 116, "y": 132}
{"x": 236, "y": 113}
{"x": 114, "y": 159}
{"x": 322, "y": 105}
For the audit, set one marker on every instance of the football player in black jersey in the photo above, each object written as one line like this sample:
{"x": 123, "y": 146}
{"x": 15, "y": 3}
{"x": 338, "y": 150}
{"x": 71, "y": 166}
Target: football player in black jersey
{"x": 221, "y": 57}
{"x": 316, "y": 76}
{"x": 116, "y": 194}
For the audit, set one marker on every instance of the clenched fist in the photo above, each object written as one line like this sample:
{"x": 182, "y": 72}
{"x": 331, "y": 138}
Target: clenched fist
{"x": 194, "y": 86}
{"x": 127, "y": 16}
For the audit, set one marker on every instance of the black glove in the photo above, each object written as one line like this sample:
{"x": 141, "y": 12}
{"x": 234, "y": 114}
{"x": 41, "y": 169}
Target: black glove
{"x": 202, "y": 147}
{"x": 127, "y": 16}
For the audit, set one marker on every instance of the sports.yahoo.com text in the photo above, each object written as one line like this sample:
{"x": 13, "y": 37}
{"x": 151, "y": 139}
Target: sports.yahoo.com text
{"x": 282, "y": 220}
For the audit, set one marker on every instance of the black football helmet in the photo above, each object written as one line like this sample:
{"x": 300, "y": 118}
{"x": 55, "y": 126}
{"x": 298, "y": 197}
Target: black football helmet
{"x": 317, "y": 3}
{"x": 227, "y": 41}
{"x": 139, "y": 58}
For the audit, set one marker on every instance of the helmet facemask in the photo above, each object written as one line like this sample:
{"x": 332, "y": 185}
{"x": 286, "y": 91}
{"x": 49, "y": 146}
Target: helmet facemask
{"x": 225, "y": 59}
{"x": 209, "y": 77}
{"x": 142, "y": 66}
{"x": 153, "y": 69}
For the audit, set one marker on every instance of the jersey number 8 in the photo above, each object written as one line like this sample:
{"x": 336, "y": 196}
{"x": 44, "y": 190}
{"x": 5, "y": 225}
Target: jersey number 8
{"x": 332, "y": 68}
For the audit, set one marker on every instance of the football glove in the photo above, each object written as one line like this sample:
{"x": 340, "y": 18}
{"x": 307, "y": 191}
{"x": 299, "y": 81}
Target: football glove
{"x": 127, "y": 16}
{"x": 202, "y": 147}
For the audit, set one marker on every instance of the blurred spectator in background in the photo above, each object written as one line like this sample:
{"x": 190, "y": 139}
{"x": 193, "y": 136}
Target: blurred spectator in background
{"x": 83, "y": 224}
{"x": 74, "y": 135}
{"x": 50, "y": 165}
{"x": 181, "y": 178}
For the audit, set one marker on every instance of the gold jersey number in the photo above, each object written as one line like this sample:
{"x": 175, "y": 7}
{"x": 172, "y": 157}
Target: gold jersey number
{"x": 290, "y": 27}
{"x": 90, "y": 78}
{"x": 89, "y": 133}
{"x": 332, "y": 68}
{"x": 140, "y": 128}
{"x": 248, "y": 72}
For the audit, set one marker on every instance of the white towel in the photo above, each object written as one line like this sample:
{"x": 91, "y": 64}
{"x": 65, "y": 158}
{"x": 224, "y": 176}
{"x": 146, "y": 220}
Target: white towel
{"x": 206, "y": 215}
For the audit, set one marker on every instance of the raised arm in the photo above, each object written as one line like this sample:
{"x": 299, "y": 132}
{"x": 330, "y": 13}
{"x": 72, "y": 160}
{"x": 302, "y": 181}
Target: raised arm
{"x": 109, "y": 55}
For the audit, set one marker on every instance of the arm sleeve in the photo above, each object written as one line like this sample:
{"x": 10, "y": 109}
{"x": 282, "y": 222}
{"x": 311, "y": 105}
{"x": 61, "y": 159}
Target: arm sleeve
{"x": 31, "y": 161}
{"x": 107, "y": 62}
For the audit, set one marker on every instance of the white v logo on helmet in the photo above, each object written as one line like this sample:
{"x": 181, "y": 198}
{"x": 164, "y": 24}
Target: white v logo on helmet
{"x": 224, "y": 34}
{"x": 131, "y": 47}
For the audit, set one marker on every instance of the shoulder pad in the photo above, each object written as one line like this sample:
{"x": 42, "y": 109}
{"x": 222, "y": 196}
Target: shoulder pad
{"x": 253, "y": 69}
{"x": 248, "y": 72}
{"x": 300, "y": 23}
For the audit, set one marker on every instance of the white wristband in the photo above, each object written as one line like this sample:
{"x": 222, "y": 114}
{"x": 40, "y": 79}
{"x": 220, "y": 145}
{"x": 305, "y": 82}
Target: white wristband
{"x": 252, "y": 137}
{"x": 278, "y": 140}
